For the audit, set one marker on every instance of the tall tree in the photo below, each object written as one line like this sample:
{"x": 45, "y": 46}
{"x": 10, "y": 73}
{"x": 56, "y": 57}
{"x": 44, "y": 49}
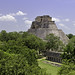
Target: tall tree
{"x": 69, "y": 51}
{"x": 54, "y": 43}
{"x": 3, "y": 35}
{"x": 70, "y": 36}
{"x": 68, "y": 58}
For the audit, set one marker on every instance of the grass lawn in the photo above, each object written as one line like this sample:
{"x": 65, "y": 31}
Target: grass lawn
{"x": 48, "y": 67}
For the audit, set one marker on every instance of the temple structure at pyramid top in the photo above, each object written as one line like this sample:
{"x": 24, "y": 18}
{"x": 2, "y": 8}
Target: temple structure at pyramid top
{"x": 43, "y": 26}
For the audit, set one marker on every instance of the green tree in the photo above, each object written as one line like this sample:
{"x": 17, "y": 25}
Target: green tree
{"x": 13, "y": 35}
{"x": 54, "y": 43}
{"x": 3, "y": 35}
{"x": 69, "y": 51}
{"x": 17, "y": 64}
{"x": 67, "y": 69}
{"x": 71, "y": 73}
{"x": 70, "y": 36}
{"x": 18, "y": 54}
{"x": 34, "y": 42}
{"x": 68, "y": 57}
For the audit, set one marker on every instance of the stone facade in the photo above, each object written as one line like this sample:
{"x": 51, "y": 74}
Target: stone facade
{"x": 54, "y": 56}
{"x": 43, "y": 26}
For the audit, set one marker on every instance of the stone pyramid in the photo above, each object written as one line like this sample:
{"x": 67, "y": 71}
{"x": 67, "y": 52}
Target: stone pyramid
{"x": 43, "y": 26}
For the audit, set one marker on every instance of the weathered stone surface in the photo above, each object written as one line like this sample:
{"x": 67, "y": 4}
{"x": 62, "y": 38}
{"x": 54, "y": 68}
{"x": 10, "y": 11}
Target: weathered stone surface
{"x": 54, "y": 56}
{"x": 43, "y": 26}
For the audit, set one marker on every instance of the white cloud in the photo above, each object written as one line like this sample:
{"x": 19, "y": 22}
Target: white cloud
{"x": 20, "y": 13}
{"x": 25, "y": 18}
{"x": 67, "y": 20}
{"x": 7, "y": 18}
{"x": 27, "y": 22}
{"x": 61, "y": 24}
{"x": 10, "y": 17}
{"x": 56, "y": 19}
{"x": 74, "y": 24}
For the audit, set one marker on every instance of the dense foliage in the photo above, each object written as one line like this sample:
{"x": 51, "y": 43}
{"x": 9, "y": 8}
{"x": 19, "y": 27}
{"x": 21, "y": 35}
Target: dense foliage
{"x": 54, "y": 43}
{"x": 18, "y": 53}
{"x": 67, "y": 69}
{"x": 69, "y": 51}
{"x": 68, "y": 59}
{"x": 70, "y": 36}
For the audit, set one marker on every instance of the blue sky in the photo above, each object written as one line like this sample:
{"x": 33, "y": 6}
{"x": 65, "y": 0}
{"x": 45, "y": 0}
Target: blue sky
{"x": 17, "y": 15}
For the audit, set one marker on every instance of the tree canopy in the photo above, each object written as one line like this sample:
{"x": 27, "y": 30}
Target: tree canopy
{"x": 18, "y": 53}
{"x": 54, "y": 43}
{"x": 69, "y": 51}
{"x": 70, "y": 36}
{"x": 68, "y": 58}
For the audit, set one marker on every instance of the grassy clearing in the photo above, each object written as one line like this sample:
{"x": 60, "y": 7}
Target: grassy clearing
{"x": 48, "y": 67}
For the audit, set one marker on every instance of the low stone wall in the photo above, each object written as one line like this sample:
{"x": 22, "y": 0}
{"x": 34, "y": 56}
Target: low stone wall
{"x": 54, "y": 64}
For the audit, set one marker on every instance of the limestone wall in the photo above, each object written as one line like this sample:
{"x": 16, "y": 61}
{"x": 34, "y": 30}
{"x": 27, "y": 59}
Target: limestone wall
{"x": 63, "y": 36}
{"x": 52, "y": 26}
